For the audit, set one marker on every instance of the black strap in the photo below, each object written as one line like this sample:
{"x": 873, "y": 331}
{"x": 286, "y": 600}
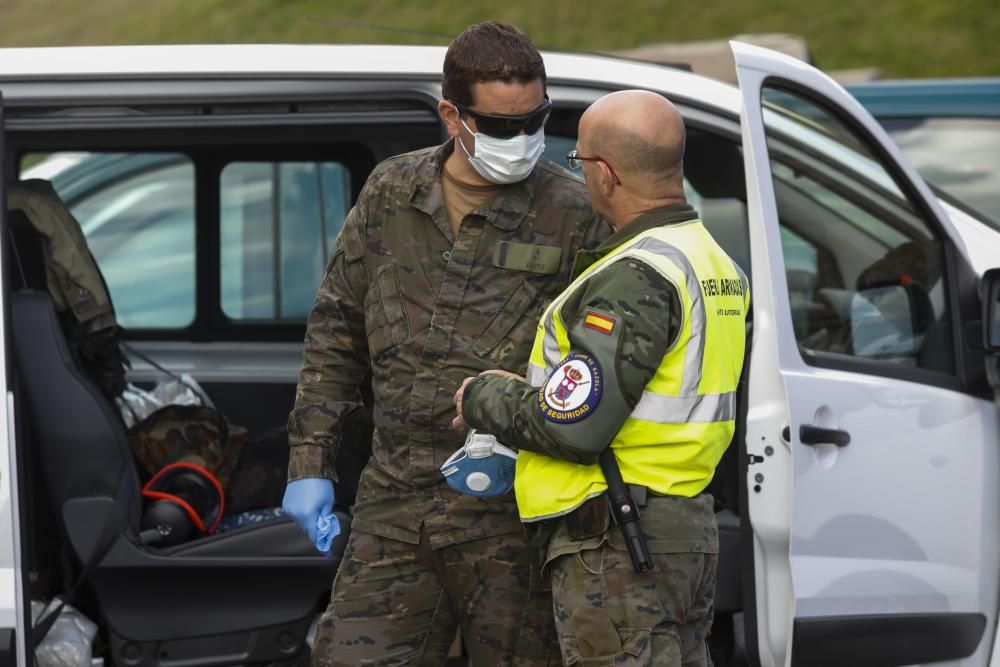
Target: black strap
{"x": 48, "y": 619}
{"x": 105, "y": 541}
{"x": 17, "y": 259}
{"x": 639, "y": 494}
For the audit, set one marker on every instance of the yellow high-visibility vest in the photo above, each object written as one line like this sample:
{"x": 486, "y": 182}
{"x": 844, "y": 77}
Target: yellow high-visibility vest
{"x": 676, "y": 434}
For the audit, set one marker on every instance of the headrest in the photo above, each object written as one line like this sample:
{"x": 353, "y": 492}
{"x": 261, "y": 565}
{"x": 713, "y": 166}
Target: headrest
{"x": 26, "y": 268}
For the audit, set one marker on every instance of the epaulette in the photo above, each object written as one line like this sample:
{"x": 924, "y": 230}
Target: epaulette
{"x": 354, "y": 242}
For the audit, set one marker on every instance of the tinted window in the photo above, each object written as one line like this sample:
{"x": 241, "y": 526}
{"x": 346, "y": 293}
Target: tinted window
{"x": 279, "y": 222}
{"x": 865, "y": 269}
{"x": 556, "y": 148}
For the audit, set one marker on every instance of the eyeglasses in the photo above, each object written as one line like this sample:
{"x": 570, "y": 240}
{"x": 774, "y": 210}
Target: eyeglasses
{"x": 575, "y": 161}
{"x": 505, "y": 127}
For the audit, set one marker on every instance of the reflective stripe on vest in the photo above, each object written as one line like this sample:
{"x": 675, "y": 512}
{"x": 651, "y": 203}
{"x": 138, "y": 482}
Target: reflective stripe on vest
{"x": 676, "y": 434}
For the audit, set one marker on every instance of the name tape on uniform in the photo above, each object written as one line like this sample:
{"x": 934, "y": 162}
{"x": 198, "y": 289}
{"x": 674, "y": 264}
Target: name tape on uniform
{"x": 722, "y": 287}
{"x": 716, "y": 287}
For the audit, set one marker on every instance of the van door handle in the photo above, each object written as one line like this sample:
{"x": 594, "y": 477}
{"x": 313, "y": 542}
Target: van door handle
{"x": 814, "y": 435}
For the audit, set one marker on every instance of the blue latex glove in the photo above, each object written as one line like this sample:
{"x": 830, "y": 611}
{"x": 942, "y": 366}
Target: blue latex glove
{"x": 310, "y": 503}
{"x": 327, "y": 528}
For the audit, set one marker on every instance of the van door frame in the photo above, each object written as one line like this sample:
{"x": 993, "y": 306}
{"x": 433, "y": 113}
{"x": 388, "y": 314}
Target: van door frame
{"x": 15, "y": 610}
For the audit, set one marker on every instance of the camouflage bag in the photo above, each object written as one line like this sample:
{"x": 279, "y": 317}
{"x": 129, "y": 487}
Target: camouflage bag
{"x": 196, "y": 434}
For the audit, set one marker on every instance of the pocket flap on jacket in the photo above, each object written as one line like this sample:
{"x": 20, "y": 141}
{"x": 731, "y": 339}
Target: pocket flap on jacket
{"x": 513, "y": 309}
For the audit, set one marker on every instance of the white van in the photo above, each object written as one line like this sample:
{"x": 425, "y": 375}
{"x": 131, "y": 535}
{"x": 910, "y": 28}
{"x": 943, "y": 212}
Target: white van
{"x": 862, "y": 491}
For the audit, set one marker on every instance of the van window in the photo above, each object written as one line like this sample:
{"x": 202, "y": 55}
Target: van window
{"x": 865, "y": 270}
{"x": 137, "y": 212}
{"x": 278, "y": 224}
{"x": 557, "y": 147}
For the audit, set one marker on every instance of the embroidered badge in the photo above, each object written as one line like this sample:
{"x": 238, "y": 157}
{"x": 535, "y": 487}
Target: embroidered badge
{"x": 572, "y": 390}
{"x": 599, "y": 322}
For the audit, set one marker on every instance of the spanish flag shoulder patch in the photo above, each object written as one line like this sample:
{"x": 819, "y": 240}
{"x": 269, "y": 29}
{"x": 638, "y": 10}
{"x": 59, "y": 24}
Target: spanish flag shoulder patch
{"x": 599, "y": 322}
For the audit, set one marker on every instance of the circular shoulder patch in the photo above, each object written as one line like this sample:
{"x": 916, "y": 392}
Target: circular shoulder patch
{"x": 572, "y": 390}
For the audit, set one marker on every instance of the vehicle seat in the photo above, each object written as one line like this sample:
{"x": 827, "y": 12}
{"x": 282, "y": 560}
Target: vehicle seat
{"x": 240, "y": 597}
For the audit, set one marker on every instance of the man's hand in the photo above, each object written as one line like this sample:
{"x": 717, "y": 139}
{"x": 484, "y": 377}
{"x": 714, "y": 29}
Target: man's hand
{"x": 458, "y": 423}
{"x": 310, "y": 502}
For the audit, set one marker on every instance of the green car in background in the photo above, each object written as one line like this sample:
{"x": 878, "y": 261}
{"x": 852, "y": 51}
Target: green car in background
{"x": 950, "y": 131}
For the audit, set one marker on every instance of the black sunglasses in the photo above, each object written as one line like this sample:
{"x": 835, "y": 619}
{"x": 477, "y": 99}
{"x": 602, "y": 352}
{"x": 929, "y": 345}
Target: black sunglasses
{"x": 505, "y": 127}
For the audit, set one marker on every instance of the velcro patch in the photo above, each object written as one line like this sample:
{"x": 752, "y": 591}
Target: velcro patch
{"x": 599, "y": 322}
{"x": 527, "y": 257}
{"x": 572, "y": 391}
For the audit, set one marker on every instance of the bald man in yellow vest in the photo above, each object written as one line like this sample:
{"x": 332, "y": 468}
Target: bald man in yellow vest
{"x": 641, "y": 353}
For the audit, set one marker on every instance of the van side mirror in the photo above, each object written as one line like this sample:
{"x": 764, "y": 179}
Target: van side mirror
{"x": 990, "y": 295}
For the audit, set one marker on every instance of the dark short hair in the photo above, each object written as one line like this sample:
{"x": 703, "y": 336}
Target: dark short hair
{"x": 489, "y": 51}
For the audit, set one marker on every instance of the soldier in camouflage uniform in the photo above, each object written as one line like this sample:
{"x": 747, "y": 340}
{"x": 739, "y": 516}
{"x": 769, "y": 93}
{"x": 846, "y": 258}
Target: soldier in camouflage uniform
{"x": 439, "y": 272}
{"x": 643, "y": 314}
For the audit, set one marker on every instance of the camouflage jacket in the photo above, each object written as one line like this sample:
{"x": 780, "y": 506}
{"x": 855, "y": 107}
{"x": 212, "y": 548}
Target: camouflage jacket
{"x": 643, "y": 300}
{"x": 421, "y": 309}
{"x": 649, "y": 307}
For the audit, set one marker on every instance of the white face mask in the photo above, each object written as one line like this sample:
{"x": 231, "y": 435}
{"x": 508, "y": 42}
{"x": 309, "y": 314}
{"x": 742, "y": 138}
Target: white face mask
{"x": 505, "y": 161}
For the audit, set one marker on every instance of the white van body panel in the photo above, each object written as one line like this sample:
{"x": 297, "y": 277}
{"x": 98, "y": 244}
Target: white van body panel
{"x": 9, "y": 582}
{"x": 11, "y": 589}
{"x": 340, "y": 61}
{"x": 903, "y": 519}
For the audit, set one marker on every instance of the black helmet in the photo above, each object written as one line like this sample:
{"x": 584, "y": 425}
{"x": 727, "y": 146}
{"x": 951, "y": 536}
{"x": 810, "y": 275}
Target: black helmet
{"x": 186, "y": 497}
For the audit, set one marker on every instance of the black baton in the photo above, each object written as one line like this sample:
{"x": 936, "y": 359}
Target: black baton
{"x": 626, "y": 513}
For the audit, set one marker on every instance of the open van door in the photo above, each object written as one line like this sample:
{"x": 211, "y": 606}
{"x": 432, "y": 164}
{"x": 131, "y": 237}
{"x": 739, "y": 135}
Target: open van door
{"x": 873, "y": 483}
{"x": 13, "y": 610}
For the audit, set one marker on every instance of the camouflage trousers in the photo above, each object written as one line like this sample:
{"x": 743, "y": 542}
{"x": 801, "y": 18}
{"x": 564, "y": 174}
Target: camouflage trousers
{"x": 396, "y": 603}
{"x": 607, "y": 614}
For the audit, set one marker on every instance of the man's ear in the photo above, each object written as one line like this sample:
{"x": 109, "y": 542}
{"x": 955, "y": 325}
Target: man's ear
{"x": 607, "y": 180}
{"x": 449, "y": 116}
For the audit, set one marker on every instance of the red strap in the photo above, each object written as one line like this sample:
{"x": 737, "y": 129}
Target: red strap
{"x": 149, "y": 492}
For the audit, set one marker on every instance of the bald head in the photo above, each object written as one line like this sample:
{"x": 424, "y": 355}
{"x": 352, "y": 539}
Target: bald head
{"x": 641, "y": 135}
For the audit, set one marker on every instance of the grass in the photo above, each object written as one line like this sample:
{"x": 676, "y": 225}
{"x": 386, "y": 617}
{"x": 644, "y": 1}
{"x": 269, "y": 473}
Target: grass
{"x": 904, "y": 38}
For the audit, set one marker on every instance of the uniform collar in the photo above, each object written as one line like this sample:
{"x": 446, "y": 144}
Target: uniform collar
{"x": 505, "y": 211}
{"x": 651, "y": 219}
